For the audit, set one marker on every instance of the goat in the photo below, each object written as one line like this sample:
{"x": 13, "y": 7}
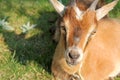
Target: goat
{"x": 90, "y": 45}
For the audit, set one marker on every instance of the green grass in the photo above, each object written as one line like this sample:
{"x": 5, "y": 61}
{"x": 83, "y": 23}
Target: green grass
{"x": 28, "y": 56}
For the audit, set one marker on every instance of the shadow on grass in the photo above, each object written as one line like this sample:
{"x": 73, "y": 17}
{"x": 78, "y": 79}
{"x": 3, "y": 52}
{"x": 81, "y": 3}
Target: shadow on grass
{"x": 38, "y": 48}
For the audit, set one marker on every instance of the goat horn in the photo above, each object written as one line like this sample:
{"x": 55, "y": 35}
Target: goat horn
{"x": 59, "y": 7}
{"x": 93, "y": 5}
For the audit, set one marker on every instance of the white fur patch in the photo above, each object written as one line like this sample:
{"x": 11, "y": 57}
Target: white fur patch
{"x": 78, "y": 13}
{"x": 77, "y": 39}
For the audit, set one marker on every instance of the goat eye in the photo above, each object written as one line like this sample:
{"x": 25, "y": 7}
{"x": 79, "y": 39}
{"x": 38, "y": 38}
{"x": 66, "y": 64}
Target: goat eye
{"x": 62, "y": 25}
{"x": 63, "y": 28}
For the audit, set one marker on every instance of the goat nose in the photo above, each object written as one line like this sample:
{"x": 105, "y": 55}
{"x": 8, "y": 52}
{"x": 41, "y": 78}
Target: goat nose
{"x": 73, "y": 55}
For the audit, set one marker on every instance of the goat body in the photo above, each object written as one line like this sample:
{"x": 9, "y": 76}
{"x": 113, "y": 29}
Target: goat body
{"x": 102, "y": 54}
{"x": 92, "y": 56}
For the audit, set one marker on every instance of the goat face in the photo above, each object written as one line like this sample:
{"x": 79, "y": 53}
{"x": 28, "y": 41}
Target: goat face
{"x": 76, "y": 33}
{"x": 78, "y": 27}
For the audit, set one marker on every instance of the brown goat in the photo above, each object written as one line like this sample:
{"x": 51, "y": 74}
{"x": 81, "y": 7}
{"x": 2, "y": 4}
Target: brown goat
{"x": 93, "y": 56}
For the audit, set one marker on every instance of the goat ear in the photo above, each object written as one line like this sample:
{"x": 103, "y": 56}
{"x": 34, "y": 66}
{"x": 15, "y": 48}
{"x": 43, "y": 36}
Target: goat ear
{"x": 93, "y": 5}
{"x": 100, "y": 13}
{"x": 59, "y": 7}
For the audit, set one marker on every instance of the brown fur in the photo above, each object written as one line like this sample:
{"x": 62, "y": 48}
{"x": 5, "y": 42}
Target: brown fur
{"x": 100, "y": 60}
{"x": 95, "y": 63}
{"x": 88, "y": 19}
{"x": 94, "y": 60}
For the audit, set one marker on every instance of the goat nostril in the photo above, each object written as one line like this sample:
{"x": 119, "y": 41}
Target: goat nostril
{"x": 73, "y": 56}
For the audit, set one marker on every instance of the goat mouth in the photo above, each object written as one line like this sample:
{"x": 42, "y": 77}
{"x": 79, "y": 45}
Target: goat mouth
{"x": 72, "y": 62}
